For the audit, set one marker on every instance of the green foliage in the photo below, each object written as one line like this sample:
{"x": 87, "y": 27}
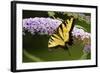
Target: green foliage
{"x": 39, "y": 49}
{"x": 84, "y": 24}
{"x": 85, "y": 56}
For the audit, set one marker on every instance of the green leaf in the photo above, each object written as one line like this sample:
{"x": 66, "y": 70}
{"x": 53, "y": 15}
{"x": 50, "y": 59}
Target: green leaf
{"x": 50, "y": 13}
{"x": 85, "y": 56}
{"x": 32, "y": 57}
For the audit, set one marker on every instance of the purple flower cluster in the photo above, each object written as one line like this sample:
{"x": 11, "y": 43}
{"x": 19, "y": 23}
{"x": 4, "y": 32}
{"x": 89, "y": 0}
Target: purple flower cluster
{"x": 80, "y": 33}
{"x": 87, "y": 48}
{"x": 41, "y": 25}
{"x": 84, "y": 36}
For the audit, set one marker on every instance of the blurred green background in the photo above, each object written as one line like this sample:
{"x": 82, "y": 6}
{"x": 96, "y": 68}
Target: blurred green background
{"x": 35, "y": 47}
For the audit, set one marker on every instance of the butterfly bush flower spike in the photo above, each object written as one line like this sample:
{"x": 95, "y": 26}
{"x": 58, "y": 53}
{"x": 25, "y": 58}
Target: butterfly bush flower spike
{"x": 41, "y": 25}
{"x": 87, "y": 48}
{"x": 84, "y": 36}
{"x": 80, "y": 33}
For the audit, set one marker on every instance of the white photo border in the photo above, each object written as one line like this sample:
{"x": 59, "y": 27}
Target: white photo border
{"x": 16, "y": 32}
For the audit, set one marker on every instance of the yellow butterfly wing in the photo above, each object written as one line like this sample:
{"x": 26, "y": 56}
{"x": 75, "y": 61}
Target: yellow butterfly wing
{"x": 66, "y": 29}
{"x": 55, "y": 41}
{"x": 62, "y": 36}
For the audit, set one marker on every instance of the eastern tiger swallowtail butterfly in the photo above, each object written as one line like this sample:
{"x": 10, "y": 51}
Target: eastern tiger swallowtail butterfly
{"x": 62, "y": 37}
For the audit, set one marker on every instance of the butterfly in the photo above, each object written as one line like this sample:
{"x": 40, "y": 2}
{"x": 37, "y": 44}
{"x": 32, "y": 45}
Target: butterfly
{"x": 62, "y": 37}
